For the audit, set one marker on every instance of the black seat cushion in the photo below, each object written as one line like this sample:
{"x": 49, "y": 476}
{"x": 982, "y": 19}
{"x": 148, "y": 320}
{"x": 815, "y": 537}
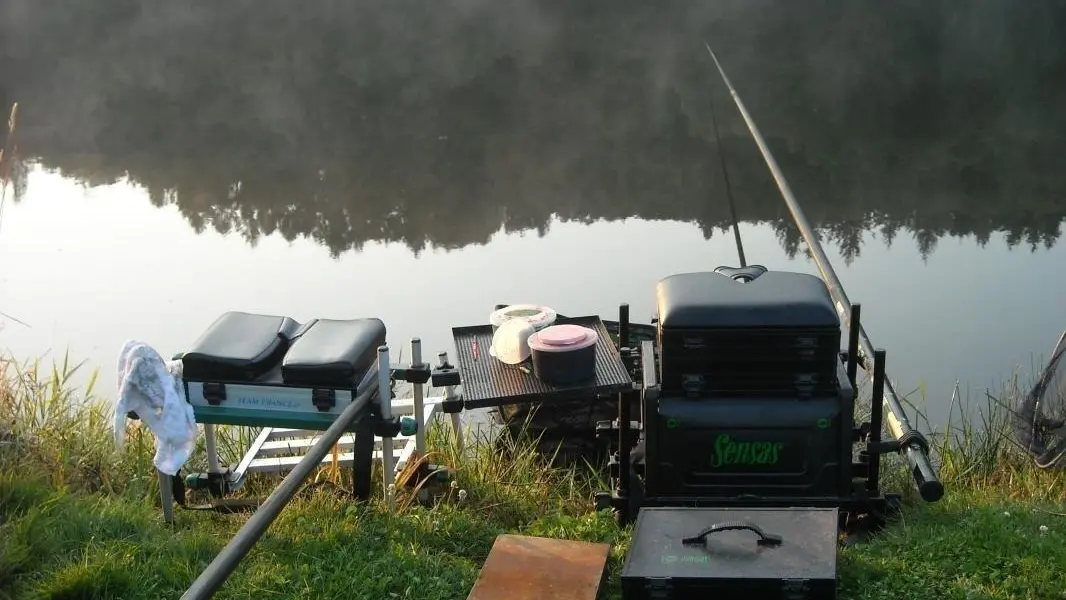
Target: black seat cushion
{"x": 775, "y": 299}
{"x": 333, "y": 353}
{"x": 239, "y": 347}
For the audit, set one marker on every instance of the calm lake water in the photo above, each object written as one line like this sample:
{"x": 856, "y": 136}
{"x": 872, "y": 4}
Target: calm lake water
{"x": 423, "y": 164}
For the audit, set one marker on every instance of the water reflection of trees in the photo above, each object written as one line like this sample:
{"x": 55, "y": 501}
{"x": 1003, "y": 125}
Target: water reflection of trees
{"x": 391, "y": 121}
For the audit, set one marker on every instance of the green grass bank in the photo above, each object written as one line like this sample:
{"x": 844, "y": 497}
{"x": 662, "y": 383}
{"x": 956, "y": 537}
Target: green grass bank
{"x": 80, "y": 521}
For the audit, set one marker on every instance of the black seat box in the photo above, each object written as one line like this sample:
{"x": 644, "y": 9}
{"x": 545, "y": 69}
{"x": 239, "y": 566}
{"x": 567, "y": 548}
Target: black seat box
{"x": 776, "y": 334}
{"x": 772, "y": 447}
{"x": 707, "y": 379}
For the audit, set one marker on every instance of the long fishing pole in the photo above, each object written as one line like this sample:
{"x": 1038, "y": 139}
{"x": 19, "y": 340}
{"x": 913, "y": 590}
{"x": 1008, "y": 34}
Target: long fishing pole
{"x": 728, "y": 188}
{"x": 913, "y": 446}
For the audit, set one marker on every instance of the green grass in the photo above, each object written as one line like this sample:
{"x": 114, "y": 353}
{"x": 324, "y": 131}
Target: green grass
{"x": 78, "y": 520}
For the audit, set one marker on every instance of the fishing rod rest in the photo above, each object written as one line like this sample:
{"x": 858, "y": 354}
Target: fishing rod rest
{"x": 445, "y": 375}
{"x": 929, "y": 488}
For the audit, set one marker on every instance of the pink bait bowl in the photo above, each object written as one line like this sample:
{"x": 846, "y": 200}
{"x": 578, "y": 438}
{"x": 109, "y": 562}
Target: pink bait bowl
{"x": 564, "y": 354}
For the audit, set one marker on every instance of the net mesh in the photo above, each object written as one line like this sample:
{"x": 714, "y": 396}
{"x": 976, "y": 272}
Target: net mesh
{"x": 1040, "y": 417}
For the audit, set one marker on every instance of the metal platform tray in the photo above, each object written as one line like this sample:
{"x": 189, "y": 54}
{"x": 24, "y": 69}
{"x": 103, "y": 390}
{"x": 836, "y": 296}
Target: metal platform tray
{"x": 488, "y": 382}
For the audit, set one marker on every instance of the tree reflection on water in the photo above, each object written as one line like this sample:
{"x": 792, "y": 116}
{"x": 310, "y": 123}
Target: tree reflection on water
{"x": 439, "y": 123}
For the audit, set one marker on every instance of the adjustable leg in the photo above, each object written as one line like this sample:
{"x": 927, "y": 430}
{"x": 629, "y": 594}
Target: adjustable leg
{"x": 166, "y": 496}
{"x": 418, "y": 400}
{"x": 623, "y": 459}
{"x": 363, "y": 457}
{"x": 873, "y": 475}
{"x": 447, "y": 377}
{"x": 457, "y": 427}
{"x": 388, "y": 471}
{"x": 217, "y": 481}
{"x": 212, "y": 448}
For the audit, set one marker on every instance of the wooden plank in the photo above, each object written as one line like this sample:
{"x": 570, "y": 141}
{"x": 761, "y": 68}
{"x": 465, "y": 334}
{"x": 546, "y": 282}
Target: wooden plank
{"x": 534, "y": 568}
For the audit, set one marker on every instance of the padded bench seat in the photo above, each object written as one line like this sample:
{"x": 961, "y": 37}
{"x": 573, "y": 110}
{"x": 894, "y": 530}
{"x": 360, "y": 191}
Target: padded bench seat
{"x": 333, "y": 353}
{"x": 244, "y": 347}
{"x": 239, "y": 346}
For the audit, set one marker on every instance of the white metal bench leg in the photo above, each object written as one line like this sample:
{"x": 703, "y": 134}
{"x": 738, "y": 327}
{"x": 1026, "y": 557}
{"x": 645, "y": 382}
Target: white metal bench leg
{"x": 212, "y": 448}
{"x": 457, "y": 427}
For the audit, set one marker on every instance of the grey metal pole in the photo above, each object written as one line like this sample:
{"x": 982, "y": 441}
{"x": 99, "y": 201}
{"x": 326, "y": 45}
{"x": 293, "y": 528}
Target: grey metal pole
{"x": 216, "y": 573}
{"x": 388, "y": 466}
{"x": 418, "y": 399}
{"x": 449, "y": 393}
{"x": 925, "y": 476}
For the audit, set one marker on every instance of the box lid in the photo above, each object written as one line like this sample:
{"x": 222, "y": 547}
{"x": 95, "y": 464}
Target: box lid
{"x": 775, "y": 299}
{"x": 807, "y": 548}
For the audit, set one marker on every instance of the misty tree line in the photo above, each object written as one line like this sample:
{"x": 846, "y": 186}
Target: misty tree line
{"x": 396, "y": 122}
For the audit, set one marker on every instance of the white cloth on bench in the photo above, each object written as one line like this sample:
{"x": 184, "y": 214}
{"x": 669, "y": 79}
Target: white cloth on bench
{"x": 152, "y": 388}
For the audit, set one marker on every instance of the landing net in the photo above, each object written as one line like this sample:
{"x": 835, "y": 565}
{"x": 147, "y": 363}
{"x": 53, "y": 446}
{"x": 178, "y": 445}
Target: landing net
{"x": 1040, "y": 415}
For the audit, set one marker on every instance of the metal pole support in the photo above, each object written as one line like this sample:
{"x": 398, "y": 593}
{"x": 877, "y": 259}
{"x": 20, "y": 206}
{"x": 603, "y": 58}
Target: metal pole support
{"x": 388, "y": 471}
{"x": 449, "y": 394}
{"x": 877, "y": 415}
{"x": 418, "y": 399}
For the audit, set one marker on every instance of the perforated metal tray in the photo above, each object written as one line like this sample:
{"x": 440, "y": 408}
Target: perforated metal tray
{"x": 488, "y": 382}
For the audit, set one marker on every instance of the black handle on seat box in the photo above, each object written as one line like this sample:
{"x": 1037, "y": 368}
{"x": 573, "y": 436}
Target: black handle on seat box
{"x": 765, "y": 539}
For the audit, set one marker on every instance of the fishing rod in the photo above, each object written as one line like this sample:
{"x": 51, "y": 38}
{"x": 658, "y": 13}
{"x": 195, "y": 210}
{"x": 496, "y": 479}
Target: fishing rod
{"x": 728, "y": 189}
{"x": 912, "y": 444}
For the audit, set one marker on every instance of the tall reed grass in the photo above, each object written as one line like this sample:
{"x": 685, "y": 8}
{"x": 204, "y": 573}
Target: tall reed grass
{"x": 79, "y": 519}
{"x": 64, "y": 434}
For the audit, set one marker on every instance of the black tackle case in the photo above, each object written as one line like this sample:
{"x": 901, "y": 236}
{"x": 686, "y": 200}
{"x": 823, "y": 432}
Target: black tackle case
{"x": 778, "y": 334}
{"x": 755, "y": 554}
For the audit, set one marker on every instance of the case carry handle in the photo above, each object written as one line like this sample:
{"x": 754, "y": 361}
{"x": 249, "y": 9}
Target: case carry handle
{"x": 765, "y": 539}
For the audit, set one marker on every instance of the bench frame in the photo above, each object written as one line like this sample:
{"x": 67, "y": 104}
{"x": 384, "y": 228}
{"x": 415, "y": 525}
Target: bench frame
{"x": 365, "y": 433}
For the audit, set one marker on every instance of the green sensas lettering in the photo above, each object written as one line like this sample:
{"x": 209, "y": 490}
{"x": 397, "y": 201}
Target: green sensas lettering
{"x": 728, "y": 451}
